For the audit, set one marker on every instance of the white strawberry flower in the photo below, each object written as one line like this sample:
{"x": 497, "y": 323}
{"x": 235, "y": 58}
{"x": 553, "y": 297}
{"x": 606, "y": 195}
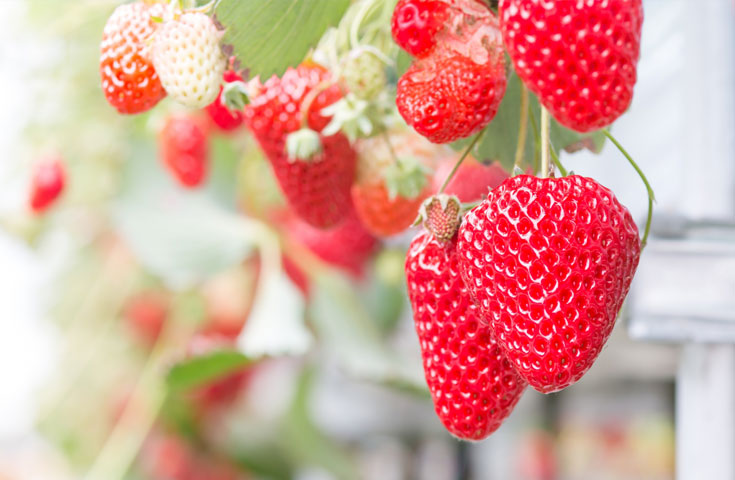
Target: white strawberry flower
{"x": 188, "y": 59}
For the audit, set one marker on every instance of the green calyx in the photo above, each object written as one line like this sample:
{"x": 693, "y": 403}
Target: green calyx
{"x": 235, "y": 95}
{"x": 303, "y": 144}
{"x": 406, "y": 177}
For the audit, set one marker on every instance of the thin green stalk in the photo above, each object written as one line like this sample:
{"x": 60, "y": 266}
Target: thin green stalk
{"x": 545, "y": 124}
{"x": 461, "y": 159}
{"x": 649, "y": 190}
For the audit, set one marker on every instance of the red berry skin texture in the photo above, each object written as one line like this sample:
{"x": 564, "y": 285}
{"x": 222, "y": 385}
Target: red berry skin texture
{"x": 579, "y": 58}
{"x": 549, "y": 263}
{"x": 184, "y": 150}
{"x": 473, "y": 385}
{"x": 455, "y": 91}
{"x": 129, "y": 81}
{"x": 47, "y": 184}
{"x": 318, "y": 189}
{"x": 415, "y": 24}
{"x": 222, "y": 117}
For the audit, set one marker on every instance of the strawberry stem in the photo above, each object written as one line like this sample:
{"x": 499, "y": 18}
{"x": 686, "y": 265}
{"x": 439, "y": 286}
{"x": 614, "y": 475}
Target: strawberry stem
{"x": 461, "y": 159}
{"x": 545, "y": 123}
{"x": 522, "y": 128}
{"x": 557, "y": 162}
{"x": 649, "y": 190}
{"x": 385, "y": 136}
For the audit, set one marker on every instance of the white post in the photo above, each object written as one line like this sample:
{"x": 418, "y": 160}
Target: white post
{"x": 705, "y": 413}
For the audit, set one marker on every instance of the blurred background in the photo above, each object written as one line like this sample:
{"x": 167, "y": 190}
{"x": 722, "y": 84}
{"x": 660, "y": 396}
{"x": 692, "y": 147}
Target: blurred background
{"x": 129, "y": 275}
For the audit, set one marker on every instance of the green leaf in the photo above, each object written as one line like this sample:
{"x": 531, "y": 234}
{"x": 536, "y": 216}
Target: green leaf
{"x": 204, "y": 369}
{"x": 182, "y": 236}
{"x": 501, "y": 138}
{"x": 269, "y": 36}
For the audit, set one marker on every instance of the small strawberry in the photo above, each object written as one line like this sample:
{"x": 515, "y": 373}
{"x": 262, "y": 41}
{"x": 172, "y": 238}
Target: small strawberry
{"x": 188, "y": 59}
{"x": 455, "y": 89}
{"x": 415, "y": 24}
{"x": 472, "y": 181}
{"x": 549, "y": 262}
{"x": 579, "y": 57}
{"x": 364, "y": 74}
{"x": 129, "y": 81}
{"x": 47, "y": 183}
{"x": 441, "y": 215}
{"x": 317, "y": 188}
{"x": 225, "y": 119}
{"x": 472, "y": 383}
{"x": 183, "y": 149}
{"x": 388, "y": 191}
{"x": 347, "y": 246}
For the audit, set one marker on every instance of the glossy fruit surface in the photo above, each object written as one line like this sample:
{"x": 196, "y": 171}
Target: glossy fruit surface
{"x": 549, "y": 263}
{"x": 578, "y": 57}
{"x": 472, "y": 383}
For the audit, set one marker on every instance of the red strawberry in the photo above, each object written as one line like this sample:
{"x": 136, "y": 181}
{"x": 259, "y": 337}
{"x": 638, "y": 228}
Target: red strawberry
{"x": 385, "y": 215}
{"x": 472, "y": 383}
{"x": 455, "y": 90}
{"x": 549, "y": 262}
{"x": 347, "y": 246}
{"x": 472, "y": 181}
{"x": 415, "y": 24}
{"x": 47, "y": 183}
{"x": 129, "y": 81}
{"x": 578, "y": 57}
{"x": 224, "y": 118}
{"x": 318, "y": 188}
{"x": 184, "y": 151}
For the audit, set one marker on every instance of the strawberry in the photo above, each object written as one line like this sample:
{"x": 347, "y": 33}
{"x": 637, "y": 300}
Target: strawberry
{"x": 579, "y": 58}
{"x": 549, "y": 262}
{"x": 472, "y": 181}
{"x": 317, "y": 188}
{"x": 415, "y": 24}
{"x": 364, "y": 74}
{"x": 389, "y": 190}
{"x": 347, "y": 246}
{"x": 472, "y": 383}
{"x": 221, "y": 116}
{"x": 455, "y": 90}
{"x": 47, "y": 183}
{"x": 129, "y": 81}
{"x": 183, "y": 149}
{"x": 188, "y": 58}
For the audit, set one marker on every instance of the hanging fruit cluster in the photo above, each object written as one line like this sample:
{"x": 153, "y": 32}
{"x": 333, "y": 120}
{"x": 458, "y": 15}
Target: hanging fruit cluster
{"x": 518, "y": 275}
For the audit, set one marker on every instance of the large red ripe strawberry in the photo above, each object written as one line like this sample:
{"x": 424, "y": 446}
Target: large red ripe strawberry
{"x": 415, "y": 24}
{"x": 47, "y": 184}
{"x": 129, "y": 81}
{"x": 578, "y": 57}
{"x": 184, "y": 149}
{"x": 317, "y": 188}
{"x": 472, "y": 383}
{"x": 455, "y": 89}
{"x": 549, "y": 262}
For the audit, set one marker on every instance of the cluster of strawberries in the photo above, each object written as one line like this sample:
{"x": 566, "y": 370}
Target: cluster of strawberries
{"x": 525, "y": 289}
{"x": 522, "y": 290}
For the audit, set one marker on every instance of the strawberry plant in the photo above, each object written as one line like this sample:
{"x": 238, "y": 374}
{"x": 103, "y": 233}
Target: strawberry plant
{"x": 340, "y": 161}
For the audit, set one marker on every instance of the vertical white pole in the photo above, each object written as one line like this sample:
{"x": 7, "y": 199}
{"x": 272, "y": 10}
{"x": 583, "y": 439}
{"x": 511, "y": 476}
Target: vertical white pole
{"x": 705, "y": 413}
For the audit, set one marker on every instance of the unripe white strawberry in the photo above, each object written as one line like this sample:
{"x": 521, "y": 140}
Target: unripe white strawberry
{"x": 188, "y": 59}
